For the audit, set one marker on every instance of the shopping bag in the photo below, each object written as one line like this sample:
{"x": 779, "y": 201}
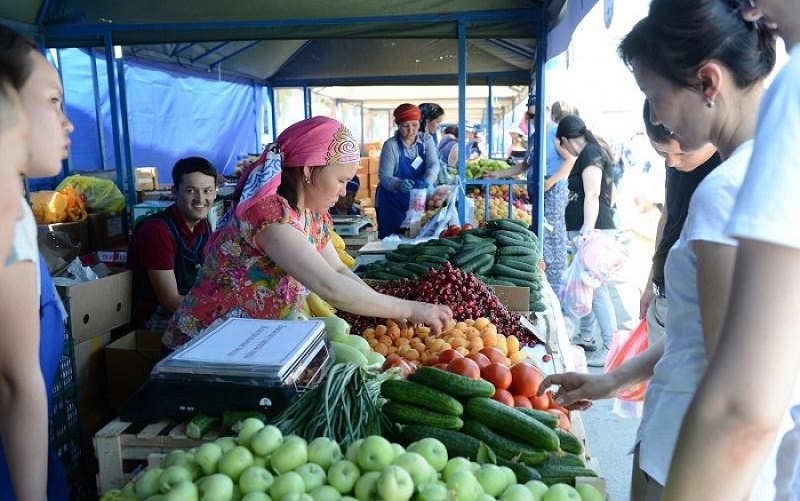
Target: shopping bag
{"x": 416, "y": 207}
{"x": 576, "y": 294}
{"x": 602, "y": 257}
{"x": 624, "y": 346}
{"x": 99, "y": 195}
{"x": 447, "y": 215}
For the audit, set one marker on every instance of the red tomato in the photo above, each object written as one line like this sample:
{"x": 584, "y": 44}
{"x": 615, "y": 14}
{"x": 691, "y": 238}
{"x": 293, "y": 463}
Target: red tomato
{"x": 563, "y": 419}
{"x": 497, "y": 374}
{"x": 441, "y": 366}
{"x": 504, "y": 397}
{"x": 494, "y": 355}
{"x": 520, "y": 401}
{"x": 541, "y": 403}
{"x": 465, "y": 367}
{"x": 480, "y": 359}
{"x": 467, "y": 226}
{"x": 525, "y": 379}
{"x": 448, "y": 356}
{"x": 431, "y": 360}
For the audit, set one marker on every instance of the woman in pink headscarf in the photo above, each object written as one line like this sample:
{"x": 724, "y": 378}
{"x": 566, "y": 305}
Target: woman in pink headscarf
{"x": 273, "y": 246}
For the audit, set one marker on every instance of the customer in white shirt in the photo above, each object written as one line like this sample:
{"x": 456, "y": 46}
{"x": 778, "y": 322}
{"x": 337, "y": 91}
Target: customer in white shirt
{"x": 751, "y": 381}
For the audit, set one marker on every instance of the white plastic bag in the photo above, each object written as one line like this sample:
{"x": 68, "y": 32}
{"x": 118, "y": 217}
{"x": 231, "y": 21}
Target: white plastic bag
{"x": 576, "y": 294}
{"x": 416, "y": 207}
{"x": 446, "y": 216}
{"x": 601, "y": 257}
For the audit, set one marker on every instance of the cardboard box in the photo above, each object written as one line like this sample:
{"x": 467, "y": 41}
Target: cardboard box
{"x": 116, "y": 257}
{"x": 98, "y": 306}
{"x": 90, "y": 371}
{"x": 146, "y": 178}
{"x": 107, "y": 230}
{"x": 370, "y": 148}
{"x": 77, "y": 232}
{"x": 129, "y": 361}
{"x": 516, "y": 299}
{"x": 374, "y": 164}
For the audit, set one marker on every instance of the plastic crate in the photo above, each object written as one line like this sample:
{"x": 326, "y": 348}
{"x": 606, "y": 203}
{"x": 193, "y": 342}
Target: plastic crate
{"x": 64, "y": 421}
{"x": 80, "y": 479}
{"x": 65, "y": 377}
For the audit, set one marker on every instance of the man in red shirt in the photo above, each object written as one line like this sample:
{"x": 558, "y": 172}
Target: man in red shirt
{"x": 168, "y": 247}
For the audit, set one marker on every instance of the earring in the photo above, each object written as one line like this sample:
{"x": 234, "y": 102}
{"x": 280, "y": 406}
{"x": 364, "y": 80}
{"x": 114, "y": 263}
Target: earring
{"x": 307, "y": 180}
{"x": 709, "y": 103}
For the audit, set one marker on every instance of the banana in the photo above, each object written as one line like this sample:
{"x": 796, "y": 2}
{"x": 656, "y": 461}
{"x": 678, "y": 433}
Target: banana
{"x": 319, "y": 308}
{"x": 306, "y": 310}
{"x": 346, "y": 258}
{"x": 337, "y": 241}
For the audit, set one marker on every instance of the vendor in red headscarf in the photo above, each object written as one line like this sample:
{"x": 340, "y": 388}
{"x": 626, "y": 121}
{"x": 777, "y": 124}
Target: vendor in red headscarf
{"x": 409, "y": 160}
{"x": 273, "y": 245}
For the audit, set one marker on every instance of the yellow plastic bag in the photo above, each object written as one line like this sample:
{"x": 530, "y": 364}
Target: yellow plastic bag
{"x": 99, "y": 195}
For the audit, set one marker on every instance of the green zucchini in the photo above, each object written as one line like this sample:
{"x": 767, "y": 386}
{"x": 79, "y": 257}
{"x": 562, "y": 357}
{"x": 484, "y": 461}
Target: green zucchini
{"x": 523, "y": 472}
{"x": 452, "y": 384}
{"x": 560, "y": 474}
{"x": 479, "y": 262}
{"x": 458, "y": 444}
{"x": 402, "y": 413}
{"x": 565, "y": 458}
{"x": 409, "y": 392}
{"x": 543, "y": 417}
{"x": 512, "y": 423}
{"x": 200, "y": 425}
{"x": 502, "y": 446}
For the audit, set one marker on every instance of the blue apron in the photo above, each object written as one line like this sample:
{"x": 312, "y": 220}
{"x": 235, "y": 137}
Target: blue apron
{"x": 51, "y": 345}
{"x": 393, "y": 205}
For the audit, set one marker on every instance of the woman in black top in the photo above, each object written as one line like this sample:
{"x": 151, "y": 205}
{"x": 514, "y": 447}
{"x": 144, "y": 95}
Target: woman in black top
{"x": 590, "y": 184}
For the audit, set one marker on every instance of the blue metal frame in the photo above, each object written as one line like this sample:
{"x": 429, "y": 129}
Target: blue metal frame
{"x": 462, "y": 116}
{"x": 273, "y": 112}
{"x": 489, "y": 117}
{"x": 255, "y": 116}
{"x": 209, "y": 52}
{"x": 66, "y": 164}
{"x": 515, "y": 49}
{"x": 307, "y": 101}
{"x": 520, "y": 77}
{"x": 115, "y": 120}
{"x": 98, "y": 110}
{"x": 533, "y": 13}
{"x": 41, "y": 15}
{"x": 126, "y": 139}
{"x": 536, "y": 190}
{"x": 177, "y": 51}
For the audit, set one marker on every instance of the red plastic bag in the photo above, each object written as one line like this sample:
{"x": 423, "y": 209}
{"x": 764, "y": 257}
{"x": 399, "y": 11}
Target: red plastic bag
{"x": 625, "y": 346}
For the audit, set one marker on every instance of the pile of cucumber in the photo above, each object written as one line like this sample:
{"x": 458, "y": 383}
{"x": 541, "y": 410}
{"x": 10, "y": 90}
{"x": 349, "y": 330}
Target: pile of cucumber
{"x": 459, "y": 412}
{"x": 504, "y": 252}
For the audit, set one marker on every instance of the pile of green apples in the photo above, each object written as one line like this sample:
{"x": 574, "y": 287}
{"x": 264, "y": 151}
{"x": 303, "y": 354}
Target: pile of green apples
{"x": 263, "y": 465}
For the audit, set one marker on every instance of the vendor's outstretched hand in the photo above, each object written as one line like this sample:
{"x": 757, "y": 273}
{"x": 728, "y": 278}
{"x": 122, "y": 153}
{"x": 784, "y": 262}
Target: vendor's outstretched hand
{"x": 406, "y": 185}
{"x": 436, "y": 316}
{"x": 577, "y": 390}
{"x": 495, "y": 174}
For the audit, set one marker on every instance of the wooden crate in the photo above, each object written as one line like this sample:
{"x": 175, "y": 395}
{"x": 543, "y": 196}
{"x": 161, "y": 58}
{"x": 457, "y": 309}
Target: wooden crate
{"x": 122, "y": 448}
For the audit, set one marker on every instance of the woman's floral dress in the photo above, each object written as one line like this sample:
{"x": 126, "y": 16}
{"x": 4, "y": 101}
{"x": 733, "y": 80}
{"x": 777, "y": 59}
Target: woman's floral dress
{"x": 238, "y": 279}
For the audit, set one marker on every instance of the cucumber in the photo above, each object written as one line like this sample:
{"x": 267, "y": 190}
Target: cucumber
{"x": 530, "y": 259}
{"x": 565, "y": 459}
{"x": 501, "y": 270}
{"x": 381, "y": 275}
{"x": 479, "y": 262}
{"x": 522, "y": 472}
{"x": 514, "y": 225}
{"x": 438, "y": 250}
{"x": 519, "y": 237}
{"x": 458, "y": 444}
{"x": 497, "y": 281}
{"x": 539, "y": 307}
{"x": 466, "y": 256}
{"x": 409, "y": 392}
{"x": 416, "y": 268}
{"x": 504, "y": 447}
{"x": 519, "y": 265}
{"x": 517, "y": 250}
{"x": 520, "y": 283}
{"x": 453, "y": 384}
{"x": 200, "y": 425}
{"x": 512, "y": 423}
{"x": 429, "y": 264}
{"x": 402, "y": 413}
{"x": 453, "y": 243}
{"x": 406, "y": 248}
{"x": 478, "y": 232}
{"x": 560, "y": 474}
{"x": 430, "y": 258}
{"x": 543, "y": 417}
{"x": 511, "y": 242}
{"x": 400, "y": 270}
{"x": 485, "y": 266}
{"x": 472, "y": 239}
{"x": 230, "y": 418}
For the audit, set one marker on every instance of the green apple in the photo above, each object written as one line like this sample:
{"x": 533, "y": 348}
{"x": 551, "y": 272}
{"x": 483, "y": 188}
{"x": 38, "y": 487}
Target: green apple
{"x": 588, "y": 492}
{"x": 348, "y": 498}
{"x": 367, "y": 486}
{"x": 325, "y": 493}
{"x": 510, "y": 475}
{"x": 296, "y": 497}
{"x": 157, "y": 497}
{"x": 375, "y": 453}
{"x": 352, "y": 451}
{"x": 237, "y": 494}
{"x": 266, "y": 440}
{"x": 538, "y": 488}
{"x": 486, "y": 497}
{"x": 398, "y": 449}
{"x": 172, "y": 476}
{"x": 129, "y": 489}
{"x": 147, "y": 483}
{"x": 436, "y": 491}
{"x": 358, "y": 343}
{"x": 182, "y": 491}
{"x": 288, "y": 483}
{"x": 289, "y": 456}
{"x": 226, "y": 443}
{"x": 421, "y": 472}
{"x": 492, "y": 479}
{"x": 395, "y": 484}
{"x": 247, "y": 429}
{"x": 255, "y": 479}
{"x": 561, "y": 492}
{"x": 336, "y": 328}
{"x": 313, "y": 475}
{"x": 517, "y": 492}
{"x": 216, "y": 487}
{"x": 432, "y": 450}
{"x": 260, "y": 461}
{"x": 235, "y": 461}
{"x": 343, "y": 475}
{"x": 324, "y": 452}
{"x": 464, "y": 485}
{"x": 207, "y": 456}
{"x": 455, "y": 465}
{"x": 256, "y": 496}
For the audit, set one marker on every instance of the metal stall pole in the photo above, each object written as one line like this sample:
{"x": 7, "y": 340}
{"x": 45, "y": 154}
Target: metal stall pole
{"x": 489, "y": 118}
{"x": 273, "y": 112}
{"x": 361, "y": 107}
{"x": 541, "y": 134}
{"x": 98, "y": 110}
{"x": 126, "y": 138}
{"x": 112, "y": 98}
{"x": 307, "y": 101}
{"x": 256, "y": 118}
{"x": 66, "y": 164}
{"x": 462, "y": 118}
